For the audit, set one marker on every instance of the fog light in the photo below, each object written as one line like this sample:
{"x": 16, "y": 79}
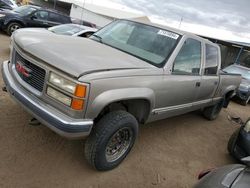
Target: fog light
{"x": 59, "y": 96}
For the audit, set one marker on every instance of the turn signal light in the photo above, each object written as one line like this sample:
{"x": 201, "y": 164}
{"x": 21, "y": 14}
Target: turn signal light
{"x": 80, "y": 91}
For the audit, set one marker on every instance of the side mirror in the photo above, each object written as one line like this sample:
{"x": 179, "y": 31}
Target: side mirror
{"x": 33, "y": 17}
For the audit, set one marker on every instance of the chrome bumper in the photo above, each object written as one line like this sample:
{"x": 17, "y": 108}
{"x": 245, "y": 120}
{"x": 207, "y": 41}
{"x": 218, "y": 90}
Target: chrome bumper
{"x": 49, "y": 116}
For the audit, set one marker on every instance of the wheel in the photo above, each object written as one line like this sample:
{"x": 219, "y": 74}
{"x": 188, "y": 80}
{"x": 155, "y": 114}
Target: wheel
{"x": 245, "y": 102}
{"x": 13, "y": 27}
{"x": 232, "y": 141}
{"x": 212, "y": 112}
{"x": 111, "y": 140}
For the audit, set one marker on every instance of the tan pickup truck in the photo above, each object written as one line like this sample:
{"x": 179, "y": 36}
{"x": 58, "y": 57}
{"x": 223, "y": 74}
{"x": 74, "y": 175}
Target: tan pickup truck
{"x": 127, "y": 73}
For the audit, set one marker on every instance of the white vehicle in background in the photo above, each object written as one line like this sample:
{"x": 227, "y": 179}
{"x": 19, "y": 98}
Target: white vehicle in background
{"x": 73, "y": 30}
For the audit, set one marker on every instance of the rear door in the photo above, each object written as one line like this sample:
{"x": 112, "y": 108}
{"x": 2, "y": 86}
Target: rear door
{"x": 54, "y": 19}
{"x": 210, "y": 74}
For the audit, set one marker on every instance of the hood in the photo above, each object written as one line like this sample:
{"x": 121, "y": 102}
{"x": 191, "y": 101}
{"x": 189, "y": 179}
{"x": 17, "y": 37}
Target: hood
{"x": 74, "y": 55}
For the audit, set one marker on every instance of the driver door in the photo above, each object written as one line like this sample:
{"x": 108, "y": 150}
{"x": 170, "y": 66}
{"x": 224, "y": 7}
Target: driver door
{"x": 39, "y": 19}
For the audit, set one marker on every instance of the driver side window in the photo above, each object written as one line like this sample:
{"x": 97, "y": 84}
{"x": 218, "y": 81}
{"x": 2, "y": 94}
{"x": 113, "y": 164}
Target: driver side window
{"x": 41, "y": 15}
{"x": 188, "y": 60}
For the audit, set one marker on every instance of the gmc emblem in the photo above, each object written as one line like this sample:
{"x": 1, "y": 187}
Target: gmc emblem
{"x": 23, "y": 69}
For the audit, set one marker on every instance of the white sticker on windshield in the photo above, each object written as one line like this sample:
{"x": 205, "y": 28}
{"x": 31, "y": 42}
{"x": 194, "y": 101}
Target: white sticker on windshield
{"x": 168, "y": 34}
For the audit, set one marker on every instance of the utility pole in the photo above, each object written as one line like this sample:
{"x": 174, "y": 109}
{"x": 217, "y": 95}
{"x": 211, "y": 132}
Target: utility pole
{"x": 54, "y": 4}
{"x": 82, "y": 11}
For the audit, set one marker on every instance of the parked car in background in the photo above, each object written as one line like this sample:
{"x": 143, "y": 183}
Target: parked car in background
{"x": 230, "y": 176}
{"x": 243, "y": 93}
{"x": 30, "y": 16}
{"x": 7, "y": 4}
{"x": 73, "y": 30}
{"x": 64, "y": 29}
{"x": 126, "y": 74}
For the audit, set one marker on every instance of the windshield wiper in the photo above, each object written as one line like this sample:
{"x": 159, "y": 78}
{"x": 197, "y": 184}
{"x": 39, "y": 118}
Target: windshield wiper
{"x": 97, "y": 36}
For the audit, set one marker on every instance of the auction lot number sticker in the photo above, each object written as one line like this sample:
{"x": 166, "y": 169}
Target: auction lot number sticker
{"x": 168, "y": 34}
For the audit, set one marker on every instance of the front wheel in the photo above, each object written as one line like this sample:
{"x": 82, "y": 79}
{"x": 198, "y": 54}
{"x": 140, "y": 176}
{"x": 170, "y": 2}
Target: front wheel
{"x": 212, "y": 112}
{"x": 111, "y": 140}
{"x": 13, "y": 27}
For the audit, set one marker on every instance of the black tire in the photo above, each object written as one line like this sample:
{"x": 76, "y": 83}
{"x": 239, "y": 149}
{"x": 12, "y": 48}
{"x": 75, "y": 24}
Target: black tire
{"x": 245, "y": 102}
{"x": 13, "y": 26}
{"x": 97, "y": 145}
{"x": 232, "y": 141}
{"x": 212, "y": 112}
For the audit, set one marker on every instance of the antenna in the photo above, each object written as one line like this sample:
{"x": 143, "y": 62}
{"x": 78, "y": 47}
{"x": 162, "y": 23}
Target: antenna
{"x": 180, "y": 22}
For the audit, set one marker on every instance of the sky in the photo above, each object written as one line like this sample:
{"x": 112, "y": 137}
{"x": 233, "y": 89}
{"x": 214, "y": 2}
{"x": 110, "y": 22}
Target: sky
{"x": 222, "y": 19}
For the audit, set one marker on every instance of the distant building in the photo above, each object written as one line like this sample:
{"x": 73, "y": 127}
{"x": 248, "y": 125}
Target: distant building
{"x": 99, "y": 15}
{"x": 233, "y": 52}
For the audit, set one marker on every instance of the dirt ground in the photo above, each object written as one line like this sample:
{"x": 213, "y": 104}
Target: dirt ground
{"x": 168, "y": 153}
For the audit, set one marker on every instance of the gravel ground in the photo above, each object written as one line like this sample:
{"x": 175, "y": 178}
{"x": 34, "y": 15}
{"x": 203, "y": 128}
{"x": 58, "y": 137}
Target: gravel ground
{"x": 168, "y": 153}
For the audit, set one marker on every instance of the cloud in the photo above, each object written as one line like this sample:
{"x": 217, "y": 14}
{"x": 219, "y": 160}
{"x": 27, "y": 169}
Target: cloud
{"x": 228, "y": 16}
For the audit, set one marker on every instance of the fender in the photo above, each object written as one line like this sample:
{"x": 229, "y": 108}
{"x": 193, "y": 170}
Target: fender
{"x": 13, "y": 19}
{"x": 228, "y": 89}
{"x": 115, "y": 95}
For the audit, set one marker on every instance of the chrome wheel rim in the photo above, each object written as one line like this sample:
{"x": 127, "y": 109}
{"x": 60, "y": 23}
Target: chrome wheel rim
{"x": 14, "y": 28}
{"x": 118, "y": 144}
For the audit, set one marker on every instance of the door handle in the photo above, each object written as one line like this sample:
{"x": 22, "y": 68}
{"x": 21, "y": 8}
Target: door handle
{"x": 197, "y": 84}
{"x": 215, "y": 83}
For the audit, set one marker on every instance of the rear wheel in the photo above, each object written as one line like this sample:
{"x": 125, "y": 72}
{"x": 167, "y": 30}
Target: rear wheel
{"x": 111, "y": 140}
{"x": 212, "y": 112}
{"x": 13, "y": 27}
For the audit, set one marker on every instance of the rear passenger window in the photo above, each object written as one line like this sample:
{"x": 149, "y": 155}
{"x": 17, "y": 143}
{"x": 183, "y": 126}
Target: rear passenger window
{"x": 54, "y": 17}
{"x": 188, "y": 61}
{"x": 211, "y": 64}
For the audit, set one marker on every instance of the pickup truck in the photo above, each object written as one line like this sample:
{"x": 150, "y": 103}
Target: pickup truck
{"x": 127, "y": 73}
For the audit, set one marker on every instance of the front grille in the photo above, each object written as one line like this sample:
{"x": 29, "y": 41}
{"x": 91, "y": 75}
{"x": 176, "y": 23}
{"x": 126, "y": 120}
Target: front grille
{"x": 29, "y": 72}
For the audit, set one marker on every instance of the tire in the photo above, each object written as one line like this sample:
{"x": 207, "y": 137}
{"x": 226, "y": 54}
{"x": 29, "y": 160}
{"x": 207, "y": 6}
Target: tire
{"x": 212, "y": 112}
{"x": 245, "y": 102}
{"x": 116, "y": 126}
{"x": 13, "y": 26}
{"x": 232, "y": 141}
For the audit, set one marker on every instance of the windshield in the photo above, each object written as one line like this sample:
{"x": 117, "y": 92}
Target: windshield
{"x": 245, "y": 73}
{"x": 24, "y": 10}
{"x": 67, "y": 29}
{"x": 149, "y": 43}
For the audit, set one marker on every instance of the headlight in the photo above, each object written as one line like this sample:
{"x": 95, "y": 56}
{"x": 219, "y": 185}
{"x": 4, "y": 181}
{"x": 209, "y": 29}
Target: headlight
{"x": 2, "y": 15}
{"x": 59, "y": 96}
{"x": 72, "y": 94}
{"x": 62, "y": 83}
{"x": 247, "y": 126}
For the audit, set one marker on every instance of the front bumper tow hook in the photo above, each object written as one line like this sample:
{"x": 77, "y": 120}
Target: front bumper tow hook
{"x": 4, "y": 89}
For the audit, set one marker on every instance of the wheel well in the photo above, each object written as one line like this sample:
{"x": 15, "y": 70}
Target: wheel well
{"x": 15, "y": 21}
{"x": 227, "y": 98}
{"x": 139, "y": 108}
